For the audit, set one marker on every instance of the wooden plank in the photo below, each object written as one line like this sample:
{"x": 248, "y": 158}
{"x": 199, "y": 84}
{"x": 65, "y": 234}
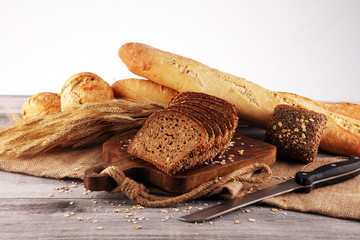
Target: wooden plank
{"x": 12, "y": 103}
{"x": 254, "y": 151}
{"x": 59, "y": 218}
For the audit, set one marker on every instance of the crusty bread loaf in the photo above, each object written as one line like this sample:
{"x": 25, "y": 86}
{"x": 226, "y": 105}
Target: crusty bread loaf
{"x": 254, "y": 103}
{"x": 143, "y": 90}
{"x": 346, "y": 109}
{"x": 180, "y": 137}
{"x": 44, "y": 103}
{"x": 296, "y": 132}
{"x": 83, "y": 88}
{"x": 343, "y": 108}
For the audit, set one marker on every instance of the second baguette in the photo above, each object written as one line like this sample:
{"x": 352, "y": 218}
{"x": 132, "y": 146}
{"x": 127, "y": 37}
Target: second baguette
{"x": 143, "y": 90}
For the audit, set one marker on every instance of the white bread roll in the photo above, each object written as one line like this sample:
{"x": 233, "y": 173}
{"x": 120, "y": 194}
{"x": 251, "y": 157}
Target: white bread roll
{"x": 254, "y": 103}
{"x": 44, "y": 103}
{"x": 83, "y": 88}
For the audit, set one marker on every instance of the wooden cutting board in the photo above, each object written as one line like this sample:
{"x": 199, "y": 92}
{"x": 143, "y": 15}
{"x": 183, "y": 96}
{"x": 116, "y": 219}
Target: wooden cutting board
{"x": 242, "y": 151}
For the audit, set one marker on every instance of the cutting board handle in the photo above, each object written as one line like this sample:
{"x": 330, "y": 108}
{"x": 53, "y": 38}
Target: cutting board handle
{"x": 94, "y": 180}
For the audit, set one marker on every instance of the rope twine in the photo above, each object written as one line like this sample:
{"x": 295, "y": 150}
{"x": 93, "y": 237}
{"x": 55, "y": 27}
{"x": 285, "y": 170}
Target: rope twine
{"x": 138, "y": 193}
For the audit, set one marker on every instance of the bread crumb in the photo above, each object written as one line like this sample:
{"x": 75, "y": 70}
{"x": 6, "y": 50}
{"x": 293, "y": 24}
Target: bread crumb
{"x": 99, "y": 228}
{"x": 237, "y": 221}
{"x": 251, "y": 220}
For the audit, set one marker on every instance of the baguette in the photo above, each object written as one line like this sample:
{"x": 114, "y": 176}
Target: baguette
{"x": 351, "y": 110}
{"x": 253, "y": 103}
{"x": 143, "y": 90}
{"x": 346, "y": 109}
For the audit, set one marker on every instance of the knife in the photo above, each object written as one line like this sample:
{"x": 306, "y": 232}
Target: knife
{"x": 303, "y": 182}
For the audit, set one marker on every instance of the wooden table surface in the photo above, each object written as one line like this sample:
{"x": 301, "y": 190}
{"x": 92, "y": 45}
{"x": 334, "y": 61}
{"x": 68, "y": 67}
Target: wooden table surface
{"x": 44, "y": 208}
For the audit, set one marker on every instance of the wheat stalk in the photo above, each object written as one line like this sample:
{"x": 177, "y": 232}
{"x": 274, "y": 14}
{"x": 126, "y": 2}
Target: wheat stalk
{"x": 87, "y": 125}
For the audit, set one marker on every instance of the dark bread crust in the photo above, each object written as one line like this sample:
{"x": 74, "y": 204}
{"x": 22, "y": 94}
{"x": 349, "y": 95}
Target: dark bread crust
{"x": 296, "y": 132}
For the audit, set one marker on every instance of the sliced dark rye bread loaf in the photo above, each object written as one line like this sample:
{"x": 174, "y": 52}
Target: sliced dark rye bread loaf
{"x": 192, "y": 95}
{"x": 170, "y": 140}
{"x": 220, "y": 126}
{"x": 208, "y": 100}
{"x": 172, "y": 154}
{"x": 207, "y": 124}
{"x": 227, "y": 122}
{"x": 224, "y": 109}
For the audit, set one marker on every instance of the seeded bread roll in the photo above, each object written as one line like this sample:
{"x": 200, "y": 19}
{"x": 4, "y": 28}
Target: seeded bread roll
{"x": 296, "y": 132}
{"x": 44, "y": 103}
{"x": 253, "y": 103}
{"x": 83, "y": 88}
{"x": 143, "y": 90}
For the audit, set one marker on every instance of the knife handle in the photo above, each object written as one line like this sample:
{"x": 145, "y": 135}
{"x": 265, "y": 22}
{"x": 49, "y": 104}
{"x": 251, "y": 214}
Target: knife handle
{"x": 328, "y": 174}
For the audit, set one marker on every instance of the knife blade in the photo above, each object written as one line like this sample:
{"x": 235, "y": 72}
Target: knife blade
{"x": 303, "y": 182}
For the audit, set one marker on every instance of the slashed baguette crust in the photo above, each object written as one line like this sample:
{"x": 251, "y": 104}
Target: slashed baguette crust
{"x": 253, "y": 103}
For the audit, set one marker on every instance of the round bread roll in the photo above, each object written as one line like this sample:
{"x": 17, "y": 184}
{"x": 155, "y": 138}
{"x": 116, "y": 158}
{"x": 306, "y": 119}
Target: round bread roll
{"x": 143, "y": 90}
{"x": 83, "y": 88}
{"x": 44, "y": 103}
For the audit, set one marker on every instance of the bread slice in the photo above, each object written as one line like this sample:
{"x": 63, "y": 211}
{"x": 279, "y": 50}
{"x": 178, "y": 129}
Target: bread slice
{"x": 215, "y": 103}
{"x": 170, "y": 140}
{"x": 192, "y": 95}
{"x": 218, "y": 124}
{"x": 222, "y": 107}
{"x": 209, "y": 149}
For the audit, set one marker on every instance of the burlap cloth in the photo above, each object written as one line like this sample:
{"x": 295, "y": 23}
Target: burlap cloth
{"x": 340, "y": 200}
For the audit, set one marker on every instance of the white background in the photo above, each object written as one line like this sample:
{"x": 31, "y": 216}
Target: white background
{"x": 307, "y": 47}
